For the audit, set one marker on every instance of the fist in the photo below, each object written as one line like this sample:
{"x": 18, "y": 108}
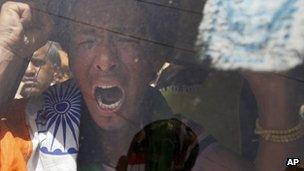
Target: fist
{"x": 23, "y": 28}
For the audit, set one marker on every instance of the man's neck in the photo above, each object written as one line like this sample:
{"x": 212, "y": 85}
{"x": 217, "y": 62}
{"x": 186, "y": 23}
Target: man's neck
{"x": 116, "y": 143}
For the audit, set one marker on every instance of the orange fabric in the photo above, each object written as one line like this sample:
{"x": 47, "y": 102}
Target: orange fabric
{"x": 15, "y": 142}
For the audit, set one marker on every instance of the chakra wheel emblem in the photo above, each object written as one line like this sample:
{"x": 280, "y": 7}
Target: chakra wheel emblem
{"x": 61, "y": 115}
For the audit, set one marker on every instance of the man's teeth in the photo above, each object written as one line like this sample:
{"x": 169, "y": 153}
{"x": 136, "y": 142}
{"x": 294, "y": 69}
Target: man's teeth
{"x": 111, "y": 106}
{"x": 106, "y": 86}
{"x": 109, "y": 97}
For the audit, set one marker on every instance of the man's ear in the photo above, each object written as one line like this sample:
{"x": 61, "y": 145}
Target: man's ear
{"x": 57, "y": 75}
{"x": 55, "y": 78}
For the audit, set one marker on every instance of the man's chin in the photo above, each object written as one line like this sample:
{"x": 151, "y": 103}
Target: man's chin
{"x": 107, "y": 113}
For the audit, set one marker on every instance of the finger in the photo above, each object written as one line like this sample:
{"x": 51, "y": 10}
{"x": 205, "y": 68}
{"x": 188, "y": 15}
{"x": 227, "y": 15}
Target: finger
{"x": 25, "y": 13}
{"x": 36, "y": 38}
{"x": 39, "y": 34}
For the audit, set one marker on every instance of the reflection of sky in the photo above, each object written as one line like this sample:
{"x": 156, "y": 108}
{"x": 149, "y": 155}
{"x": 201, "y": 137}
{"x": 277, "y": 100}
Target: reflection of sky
{"x": 257, "y": 35}
{"x": 256, "y": 20}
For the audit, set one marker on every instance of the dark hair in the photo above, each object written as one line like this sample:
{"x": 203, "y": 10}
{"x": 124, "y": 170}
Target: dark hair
{"x": 52, "y": 54}
{"x": 162, "y": 21}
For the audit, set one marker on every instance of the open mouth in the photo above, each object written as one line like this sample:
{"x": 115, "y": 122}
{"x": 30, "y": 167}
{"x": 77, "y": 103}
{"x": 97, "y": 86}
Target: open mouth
{"x": 109, "y": 98}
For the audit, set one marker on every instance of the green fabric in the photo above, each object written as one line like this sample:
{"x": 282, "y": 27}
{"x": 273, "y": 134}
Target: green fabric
{"x": 214, "y": 105}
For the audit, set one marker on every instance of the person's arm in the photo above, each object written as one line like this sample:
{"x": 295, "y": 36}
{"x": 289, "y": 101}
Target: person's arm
{"x": 278, "y": 110}
{"x": 20, "y": 34}
{"x": 11, "y": 71}
{"x": 276, "y": 97}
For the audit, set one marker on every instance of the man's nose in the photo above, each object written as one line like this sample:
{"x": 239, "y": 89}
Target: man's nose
{"x": 105, "y": 63}
{"x": 31, "y": 70}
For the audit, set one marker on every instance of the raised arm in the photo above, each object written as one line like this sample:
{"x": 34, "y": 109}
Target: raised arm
{"x": 22, "y": 30}
{"x": 278, "y": 126}
{"x": 278, "y": 111}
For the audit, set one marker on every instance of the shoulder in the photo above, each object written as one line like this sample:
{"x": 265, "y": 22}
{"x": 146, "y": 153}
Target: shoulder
{"x": 13, "y": 113}
{"x": 56, "y": 98}
{"x": 14, "y": 131}
{"x": 59, "y": 119}
{"x": 15, "y": 142}
{"x": 69, "y": 85}
{"x": 66, "y": 92}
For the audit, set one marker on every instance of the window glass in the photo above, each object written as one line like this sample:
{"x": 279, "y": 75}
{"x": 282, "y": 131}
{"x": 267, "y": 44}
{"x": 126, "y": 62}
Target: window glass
{"x": 151, "y": 85}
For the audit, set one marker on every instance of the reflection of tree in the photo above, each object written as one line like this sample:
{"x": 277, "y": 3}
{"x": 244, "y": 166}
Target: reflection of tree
{"x": 163, "y": 145}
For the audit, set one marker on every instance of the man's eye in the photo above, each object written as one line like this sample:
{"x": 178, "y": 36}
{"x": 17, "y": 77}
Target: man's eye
{"x": 38, "y": 63}
{"x": 88, "y": 44}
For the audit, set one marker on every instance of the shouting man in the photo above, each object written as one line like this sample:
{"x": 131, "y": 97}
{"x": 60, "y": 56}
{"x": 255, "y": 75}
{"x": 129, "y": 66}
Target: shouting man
{"x": 116, "y": 49}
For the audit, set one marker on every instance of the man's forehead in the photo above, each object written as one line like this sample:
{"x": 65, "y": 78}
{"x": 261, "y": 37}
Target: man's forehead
{"x": 108, "y": 16}
{"x": 41, "y": 52}
{"x": 39, "y": 56}
{"x": 115, "y": 30}
{"x": 127, "y": 17}
{"x": 105, "y": 10}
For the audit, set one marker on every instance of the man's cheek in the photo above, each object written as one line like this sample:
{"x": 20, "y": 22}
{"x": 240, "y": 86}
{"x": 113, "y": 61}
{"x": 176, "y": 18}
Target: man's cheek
{"x": 79, "y": 69}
